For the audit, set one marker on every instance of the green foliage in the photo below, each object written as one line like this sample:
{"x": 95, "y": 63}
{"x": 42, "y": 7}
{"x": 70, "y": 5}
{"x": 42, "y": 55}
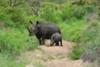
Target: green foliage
{"x": 7, "y": 61}
{"x": 89, "y": 44}
{"x": 79, "y": 11}
{"x": 76, "y": 52}
{"x": 63, "y": 13}
{"x": 12, "y": 17}
{"x": 71, "y": 31}
{"x": 14, "y": 41}
{"x": 50, "y": 13}
{"x": 14, "y": 38}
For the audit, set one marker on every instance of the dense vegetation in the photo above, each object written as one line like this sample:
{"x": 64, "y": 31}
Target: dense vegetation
{"x": 88, "y": 48}
{"x": 71, "y": 17}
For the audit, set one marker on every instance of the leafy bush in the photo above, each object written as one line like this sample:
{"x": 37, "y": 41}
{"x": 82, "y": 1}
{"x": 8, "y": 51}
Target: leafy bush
{"x": 79, "y": 11}
{"x": 89, "y": 44}
{"x": 71, "y": 31}
{"x": 13, "y": 17}
{"x": 14, "y": 41}
{"x": 49, "y": 12}
{"x": 91, "y": 49}
{"x": 76, "y": 52}
{"x": 62, "y": 13}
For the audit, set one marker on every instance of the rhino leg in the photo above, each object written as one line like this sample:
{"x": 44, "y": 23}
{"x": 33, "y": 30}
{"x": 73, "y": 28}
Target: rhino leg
{"x": 57, "y": 43}
{"x": 52, "y": 42}
{"x": 40, "y": 42}
{"x": 61, "y": 42}
{"x": 43, "y": 41}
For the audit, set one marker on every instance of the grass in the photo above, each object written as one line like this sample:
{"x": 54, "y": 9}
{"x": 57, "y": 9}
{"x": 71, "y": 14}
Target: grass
{"x": 8, "y": 61}
{"x": 38, "y": 63}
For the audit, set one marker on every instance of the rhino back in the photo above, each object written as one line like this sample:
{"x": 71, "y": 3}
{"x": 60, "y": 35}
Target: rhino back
{"x": 48, "y": 29}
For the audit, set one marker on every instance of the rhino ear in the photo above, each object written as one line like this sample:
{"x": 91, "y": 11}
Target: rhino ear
{"x": 31, "y": 22}
{"x": 37, "y": 22}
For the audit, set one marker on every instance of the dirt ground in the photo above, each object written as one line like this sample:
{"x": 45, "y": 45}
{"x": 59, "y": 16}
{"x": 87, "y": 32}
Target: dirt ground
{"x": 51, "y": 56}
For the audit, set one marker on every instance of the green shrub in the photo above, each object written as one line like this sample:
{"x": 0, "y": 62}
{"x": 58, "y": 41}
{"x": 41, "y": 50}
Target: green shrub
{"x": 50, "y": 12}
{"x": 14, "y": 41}
{"x": 79, "y": 11}
{"x": 62, "y": 13}
{"x": 76, "y": 52}
{"x": 8, "y": 61}
{"x": 89, "y": 44}
{"x": 67, "y": 12}
{"x": 13, "y": 17}
{"x": 71, "y": 31}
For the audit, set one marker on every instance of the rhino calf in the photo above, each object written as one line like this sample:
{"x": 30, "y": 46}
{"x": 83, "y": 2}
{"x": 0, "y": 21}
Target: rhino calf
{"x": 56, "y": 39}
